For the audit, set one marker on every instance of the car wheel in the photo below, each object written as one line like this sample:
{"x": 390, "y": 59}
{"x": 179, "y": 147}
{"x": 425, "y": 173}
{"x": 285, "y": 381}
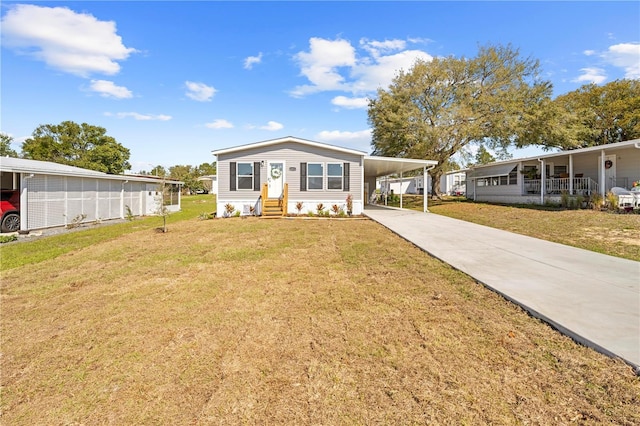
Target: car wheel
{"x": 11, "y": 223}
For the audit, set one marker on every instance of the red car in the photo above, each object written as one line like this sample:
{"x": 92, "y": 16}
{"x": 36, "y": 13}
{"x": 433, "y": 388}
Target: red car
{"x": 10, "y": 209}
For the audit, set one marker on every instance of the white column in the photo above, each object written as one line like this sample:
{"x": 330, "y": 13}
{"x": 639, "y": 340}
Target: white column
{"x": 425, "y": 193}
{"x": 601, "y": 169}
{"x": 401, "y": 191}
{"x": 543, "y": 183}
{"x": 571, "y": 174}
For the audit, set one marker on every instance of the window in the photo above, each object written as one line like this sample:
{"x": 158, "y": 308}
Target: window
{"x": 513, "y": 176}
{"x": 334, "y": 176}
{"x": 315, "y": 175}
{"x": 245, "y": 176}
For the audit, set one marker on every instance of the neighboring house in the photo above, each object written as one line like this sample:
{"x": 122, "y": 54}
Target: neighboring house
{"x": 546, "y": 177}
{"x": 54, "y": 194}
{"x": 454, "y": 182}
{"x": 272, "y": 177}
{"x": 407, "y": 185}
{"x": 451, "y": 183}
{"x": 210, "y": 183}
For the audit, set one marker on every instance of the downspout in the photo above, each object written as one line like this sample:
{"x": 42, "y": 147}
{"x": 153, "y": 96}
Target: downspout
{"x": 543, "y": 179}
{"x": 24, "y": 197}
{"x": 425, "y": 181}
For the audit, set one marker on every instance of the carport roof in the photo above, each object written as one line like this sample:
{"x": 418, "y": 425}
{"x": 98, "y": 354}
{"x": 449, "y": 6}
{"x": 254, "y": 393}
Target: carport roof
{"x": 375, "y": 166}
{"x": 23, "y": 165}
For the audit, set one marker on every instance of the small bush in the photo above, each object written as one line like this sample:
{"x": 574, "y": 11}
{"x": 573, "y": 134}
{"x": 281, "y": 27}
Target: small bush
{"x": 319, "y": 209}
{"x": 611, "y": 201}
{"x": 229, "y": 209}
{"x": 299, "y": 206}
{"x": 128, "y": 214}
{"x": 336, "y": 209}
{"x": 8, "y": 238}
{"x": 596, "y": 201}
{"x": 77, "y": 221}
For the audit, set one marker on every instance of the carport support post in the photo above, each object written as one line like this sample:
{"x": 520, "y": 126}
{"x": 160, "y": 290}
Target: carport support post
{"x": 401, "y": 190}
{"x": 425, "y": 192}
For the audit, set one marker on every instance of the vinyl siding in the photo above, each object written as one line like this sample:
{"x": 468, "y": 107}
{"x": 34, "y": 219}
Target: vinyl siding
{"x": 292, "y": 154}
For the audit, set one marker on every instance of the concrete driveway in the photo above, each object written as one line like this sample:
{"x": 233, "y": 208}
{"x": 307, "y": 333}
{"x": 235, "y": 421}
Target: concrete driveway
{"x": 591, "y": 297}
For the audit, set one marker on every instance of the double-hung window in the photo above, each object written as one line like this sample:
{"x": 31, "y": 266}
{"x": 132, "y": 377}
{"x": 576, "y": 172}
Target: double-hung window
{"x": 315, "y": 175}
{"x": 334, "y": 176}
{"x": 245, "y": 176}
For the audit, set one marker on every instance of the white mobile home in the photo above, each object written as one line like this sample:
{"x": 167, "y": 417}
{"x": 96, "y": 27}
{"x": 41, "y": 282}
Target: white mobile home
{"x": 54, "y": 194}
{"x": 546, "y": 177}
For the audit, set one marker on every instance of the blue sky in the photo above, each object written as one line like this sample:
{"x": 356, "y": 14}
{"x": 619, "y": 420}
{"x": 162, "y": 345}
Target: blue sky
{"x": 173, "y": 81}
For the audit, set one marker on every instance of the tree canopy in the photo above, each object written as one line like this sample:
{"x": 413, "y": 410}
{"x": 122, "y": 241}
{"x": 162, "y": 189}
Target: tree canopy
{"x": 596, "y": 115}
{"x": 5, "y": 146}
{"x": 437, "y": 108}
{"x": 80, "y": 145}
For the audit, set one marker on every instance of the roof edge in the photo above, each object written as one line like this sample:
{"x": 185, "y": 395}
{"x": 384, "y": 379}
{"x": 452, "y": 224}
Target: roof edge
{"x": 284, "y": 140}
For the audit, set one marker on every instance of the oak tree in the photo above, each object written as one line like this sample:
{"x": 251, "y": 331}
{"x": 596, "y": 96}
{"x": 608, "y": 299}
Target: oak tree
{"x": 439, "y": 107}
{"x": 80, "y": 145}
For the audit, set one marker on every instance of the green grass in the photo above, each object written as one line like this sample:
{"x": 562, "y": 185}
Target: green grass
{"x": 31, "y": 252}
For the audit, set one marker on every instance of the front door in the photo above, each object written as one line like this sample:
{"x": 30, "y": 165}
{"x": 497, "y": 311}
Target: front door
{"x": 275, "y": 178}
{"x": 609, "y": 172}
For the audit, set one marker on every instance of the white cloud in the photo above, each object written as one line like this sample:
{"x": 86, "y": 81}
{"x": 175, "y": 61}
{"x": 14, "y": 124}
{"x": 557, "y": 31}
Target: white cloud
{"x": 589, "y": 52}
{"x": 77, "y": 43}
{"x": 375, "y": 48}
{"x": 272, "y": 126}
{"x": 337, "y": 135}
{"x": 320, "y": 65}
{"x": 199, "y": 91}
{"x": 250, "y": 61}
{"x": 141, "y": 117}
{"x": 333, "y": 65}
{"x": 625, "y": 56}
{"x": 108, "y": 89}
{"x": 219, "y": 123}
{"x": 350, "y": 103}
{"x": 591, "y": 75}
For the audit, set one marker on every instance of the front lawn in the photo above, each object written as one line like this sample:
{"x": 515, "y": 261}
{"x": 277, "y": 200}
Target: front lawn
{"x": 250, "y": 321}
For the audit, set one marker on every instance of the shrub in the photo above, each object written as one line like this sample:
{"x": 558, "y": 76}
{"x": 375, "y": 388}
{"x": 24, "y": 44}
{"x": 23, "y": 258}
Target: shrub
{"x": 319, "y": 209}
{"x": 336, "y": 209}
{"x": 611, "y": 201}
{"x": 8, "y": 238}
{"x": 349, "y": 204}
{"x": 299, "y": 206}
{"x": 128, "y": 214}
{"x": 596, "y": 201}
{"x": 229, "y": 209}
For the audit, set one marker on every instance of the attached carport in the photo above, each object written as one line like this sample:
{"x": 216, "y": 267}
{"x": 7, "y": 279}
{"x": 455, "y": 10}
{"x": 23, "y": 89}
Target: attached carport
{"x": 376, "y": 167}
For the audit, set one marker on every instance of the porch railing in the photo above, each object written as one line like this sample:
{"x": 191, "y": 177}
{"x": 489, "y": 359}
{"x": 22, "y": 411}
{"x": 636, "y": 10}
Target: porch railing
{"x": 582, "y": 186}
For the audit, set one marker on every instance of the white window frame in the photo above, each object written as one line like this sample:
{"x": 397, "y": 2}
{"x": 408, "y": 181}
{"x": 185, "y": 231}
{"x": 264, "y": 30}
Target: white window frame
{"x": 341, "y": 176}
{"x": 309, "y": 176}
{"x": 238, "y": 176}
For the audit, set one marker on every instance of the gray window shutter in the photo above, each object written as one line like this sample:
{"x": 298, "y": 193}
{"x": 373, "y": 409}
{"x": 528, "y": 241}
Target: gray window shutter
{"x": 232, "y": 181}
{"x": 303, "y": 176}
{"x": 256, "y": 176}
{"x": 345, "y": 180}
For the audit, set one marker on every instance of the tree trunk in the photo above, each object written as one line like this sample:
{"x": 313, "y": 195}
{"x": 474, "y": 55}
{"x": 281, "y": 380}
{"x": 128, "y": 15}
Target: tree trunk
{"x": 435, "y": 184}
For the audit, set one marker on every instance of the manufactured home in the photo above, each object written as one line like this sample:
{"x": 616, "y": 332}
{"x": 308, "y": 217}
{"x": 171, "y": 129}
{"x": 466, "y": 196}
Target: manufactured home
{"x": 544, "y": 178}
{"x": 274, "y": 177}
